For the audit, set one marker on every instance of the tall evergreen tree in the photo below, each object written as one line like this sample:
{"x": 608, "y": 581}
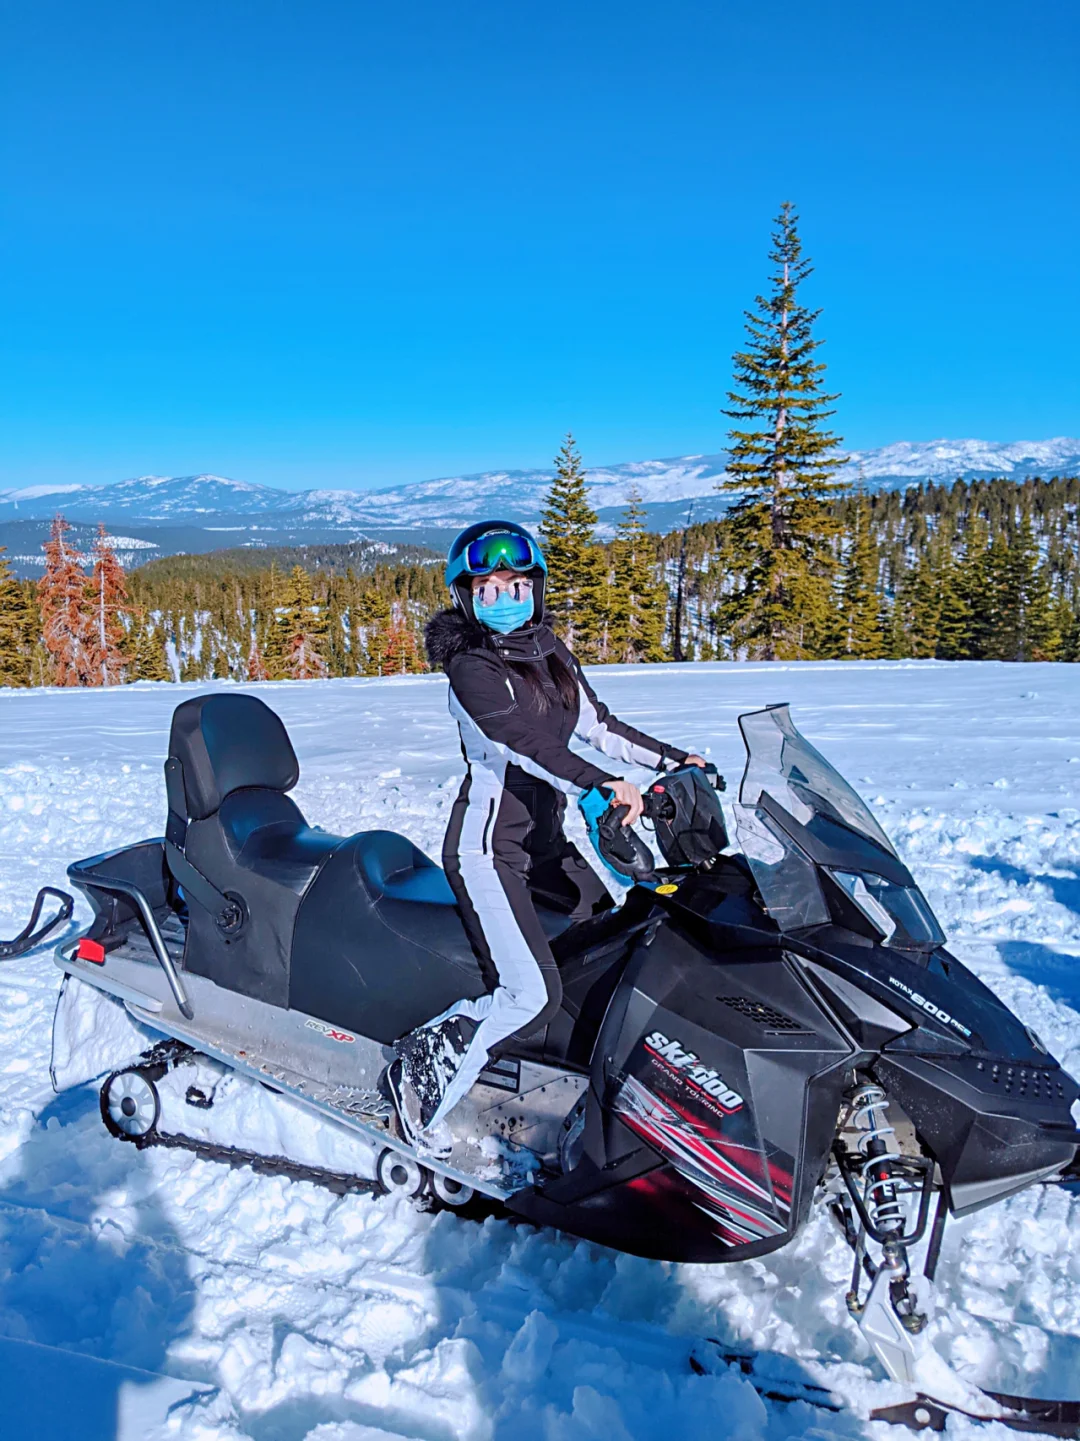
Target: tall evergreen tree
{"x": 975, "y": 594}
{"x": 593, "y": 643}
{"x": 66, "y": 620}
{"x": 1026, "y": 628}
{"x": 272, "y": 646}
{"x": 677, "y": 651}
{"x": 637, "y": 603}
{"x": 256, "y": 665}
{"x": 150, "y": 661}
{"x": 305, "y": 629}
{"x": 566, "y": 532}
{"x": 400, "y": 652}
{"x": 860, "y": 619}
{"x": 108, "y": 604}
{"x": 337, "y": 652}
{"x": 16, "y": 629}
{"x": 782, "y": 466}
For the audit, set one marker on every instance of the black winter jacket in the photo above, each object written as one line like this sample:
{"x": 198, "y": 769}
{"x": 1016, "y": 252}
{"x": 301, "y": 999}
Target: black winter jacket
{"x": 504, "y": 727}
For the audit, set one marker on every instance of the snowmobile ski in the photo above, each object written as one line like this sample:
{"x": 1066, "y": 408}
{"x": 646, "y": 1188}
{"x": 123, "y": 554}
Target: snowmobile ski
{"x": 33, "y": 933}
{"x": 921, "y": 1413}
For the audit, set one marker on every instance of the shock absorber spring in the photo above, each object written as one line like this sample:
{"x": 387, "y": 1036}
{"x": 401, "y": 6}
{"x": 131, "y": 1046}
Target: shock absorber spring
{"x": 869, "y": 1115}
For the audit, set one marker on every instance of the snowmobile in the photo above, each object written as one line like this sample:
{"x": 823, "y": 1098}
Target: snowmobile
{"x": 755, "y": 1029}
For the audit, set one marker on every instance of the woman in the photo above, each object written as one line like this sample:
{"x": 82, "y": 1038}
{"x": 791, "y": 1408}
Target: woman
{"x": 518, "y": 695}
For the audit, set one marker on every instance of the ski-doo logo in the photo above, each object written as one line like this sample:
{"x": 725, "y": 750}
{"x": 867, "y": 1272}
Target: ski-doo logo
{"x": 700, "y": 1076}
{"x": 928, "y": 1006}
{"x": 330, "y": 1032}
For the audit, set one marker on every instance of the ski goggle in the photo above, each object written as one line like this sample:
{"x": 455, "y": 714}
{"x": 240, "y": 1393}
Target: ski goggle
{"x": 501, "y": 550}
{"x": 489, "y": 590}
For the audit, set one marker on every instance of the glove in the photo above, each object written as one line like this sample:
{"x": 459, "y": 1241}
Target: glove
{"x": 621, "y": 849}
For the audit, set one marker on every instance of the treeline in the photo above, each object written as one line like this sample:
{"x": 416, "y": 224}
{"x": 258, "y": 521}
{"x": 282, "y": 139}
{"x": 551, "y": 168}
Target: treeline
{"x": 979, "y": 570}
{"x": 86, "y": 623}
{"x": 335, "y": 557}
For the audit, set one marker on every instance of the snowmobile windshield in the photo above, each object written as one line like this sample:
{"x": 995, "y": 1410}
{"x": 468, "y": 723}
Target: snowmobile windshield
{"x": 797, "y": 817}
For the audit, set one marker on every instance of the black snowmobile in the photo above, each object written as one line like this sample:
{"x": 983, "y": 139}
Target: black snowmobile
{"x": 750, "y": 1031}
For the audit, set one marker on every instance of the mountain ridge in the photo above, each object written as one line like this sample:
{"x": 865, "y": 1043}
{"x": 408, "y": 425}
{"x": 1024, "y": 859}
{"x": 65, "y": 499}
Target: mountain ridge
{"x": 209, "y": 512}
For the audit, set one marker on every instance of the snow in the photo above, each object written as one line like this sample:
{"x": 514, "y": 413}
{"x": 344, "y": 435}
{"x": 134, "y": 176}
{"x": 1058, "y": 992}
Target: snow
{"x": 152, "y": 1295}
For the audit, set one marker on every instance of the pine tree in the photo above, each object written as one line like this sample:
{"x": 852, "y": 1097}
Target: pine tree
{"x": 401, "y": 651}
{"x": 1025, "y": 628}
{"x": 371, "y": 629}
{"x": 954, "y": 608}
{"x": 566, "y": 531}
{"x": 860, "y": 619}
{"x": 108, "y": 601}
{"x": 66, "y": 620}
{"x": 677, "y": 651}
{"x": 150, "y": 661}
{"x": 637, "y": 603}
{"x": 593, "y": 639}
{"x": 975, "y": 592}
{"x": 304, "y": 629}
{"x": 273, "y": 643}
{"x": 781, "y": 468}
{"x": 256, "y": 665}
{"x": 337, "y": 653}
{"x": 16, "y": 629}
{"x": 1070, "y": 632}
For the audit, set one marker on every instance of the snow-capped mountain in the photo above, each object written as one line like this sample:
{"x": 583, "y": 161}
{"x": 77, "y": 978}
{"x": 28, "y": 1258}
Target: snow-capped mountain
{"x": 246, "y": 513}
{"x": 179, "y": 498}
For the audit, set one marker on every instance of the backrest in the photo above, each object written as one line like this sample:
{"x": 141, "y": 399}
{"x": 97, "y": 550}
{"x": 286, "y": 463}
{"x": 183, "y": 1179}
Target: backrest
{"x": 227, "y": 743}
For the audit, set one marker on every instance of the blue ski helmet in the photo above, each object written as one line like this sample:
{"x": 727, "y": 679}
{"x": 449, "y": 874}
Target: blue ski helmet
{"x": 491, "y": 545}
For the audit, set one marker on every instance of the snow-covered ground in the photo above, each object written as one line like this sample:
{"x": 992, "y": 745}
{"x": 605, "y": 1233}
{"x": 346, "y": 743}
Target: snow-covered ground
{"x": 152, "y": 1294}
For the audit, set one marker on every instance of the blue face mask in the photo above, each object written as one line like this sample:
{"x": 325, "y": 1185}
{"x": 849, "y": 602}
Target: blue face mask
{"x": 506, "y": 614}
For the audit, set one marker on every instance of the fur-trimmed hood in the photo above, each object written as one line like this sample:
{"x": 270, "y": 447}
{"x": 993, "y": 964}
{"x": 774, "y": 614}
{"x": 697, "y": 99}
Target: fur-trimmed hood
{"x": 451, "y": 632}
{"x": 448, "y": 634}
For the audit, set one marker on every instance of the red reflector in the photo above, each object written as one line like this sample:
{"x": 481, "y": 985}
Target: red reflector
{"x": 91, "y": 951}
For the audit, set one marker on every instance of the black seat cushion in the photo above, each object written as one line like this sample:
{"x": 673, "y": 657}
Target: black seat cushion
{"x": 266, "y": 832}
{"x": 379, "y": 947}
{"x": 394, "y": 869}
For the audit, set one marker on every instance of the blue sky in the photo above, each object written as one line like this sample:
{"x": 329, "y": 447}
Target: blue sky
{"x": 348, "y": 244}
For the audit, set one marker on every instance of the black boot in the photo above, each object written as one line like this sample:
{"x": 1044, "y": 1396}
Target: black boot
{"x": 428, "y": 1060}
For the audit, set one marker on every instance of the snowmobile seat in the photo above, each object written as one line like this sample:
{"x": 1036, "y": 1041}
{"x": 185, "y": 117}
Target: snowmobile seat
{"x": 235, "y": 838}
{"x": 379, "y": 946}
{"x": 267, "y": 833}
{"x": 361, "y": 931}
{"x": 393, "y": 868}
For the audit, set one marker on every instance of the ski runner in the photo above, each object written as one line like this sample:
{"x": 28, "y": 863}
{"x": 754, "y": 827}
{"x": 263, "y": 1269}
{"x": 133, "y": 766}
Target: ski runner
{"x": 518, "y": 695}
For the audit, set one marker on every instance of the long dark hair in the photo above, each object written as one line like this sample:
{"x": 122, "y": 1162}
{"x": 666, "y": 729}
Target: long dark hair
{"x": 562, "y": 676}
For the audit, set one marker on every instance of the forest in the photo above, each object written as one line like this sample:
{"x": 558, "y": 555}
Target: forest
{"x": 980, "y": 570}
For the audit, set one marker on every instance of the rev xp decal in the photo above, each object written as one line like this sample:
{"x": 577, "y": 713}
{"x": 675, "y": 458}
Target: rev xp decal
{"x": 330, "y": 1032}
{"x": 693, "y": 1071}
